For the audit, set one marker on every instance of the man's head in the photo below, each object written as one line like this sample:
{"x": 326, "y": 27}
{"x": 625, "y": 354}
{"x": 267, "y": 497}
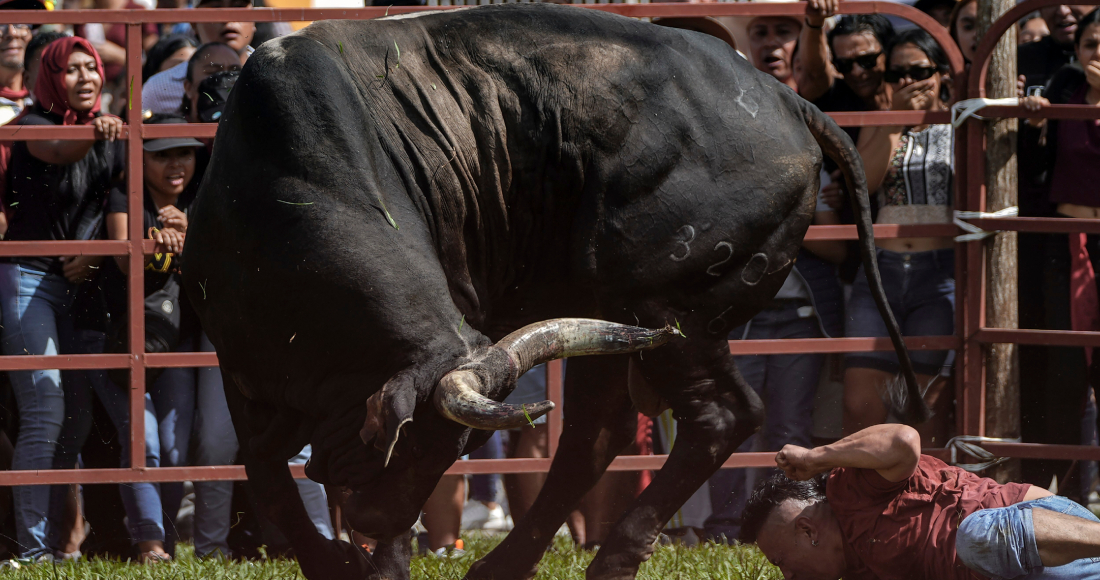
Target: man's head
{"x": 858, "y": 43}
{"x": 13, "y": 45}
{"x": 14, "y": 37}
{"x": 237, "y": 35}
{"x": 772, "y": 44}
{"x": 1062, "y": 21}
{"x": 33, "y": 56}
{"x": 209, "y": 59}
{"x": 794, "y": 527}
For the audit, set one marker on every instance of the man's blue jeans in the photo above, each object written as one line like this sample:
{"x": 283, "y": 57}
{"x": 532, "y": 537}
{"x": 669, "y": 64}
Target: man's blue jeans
{"x": 787, "y": 384}
{"x": 216, "y": 444}
{"x": 37, "y": 320}
{"x": 1000, "y": 542}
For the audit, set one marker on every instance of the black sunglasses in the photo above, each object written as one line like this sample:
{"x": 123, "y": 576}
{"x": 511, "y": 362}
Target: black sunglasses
{"x": 865, "y": 62}
{"x": 916, "y": 73}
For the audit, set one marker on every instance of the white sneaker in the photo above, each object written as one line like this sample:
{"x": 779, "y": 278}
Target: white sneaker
{"x": 497, "y": 521}
{"x": 449, "y": 552}
{"x": 475, "y": 515}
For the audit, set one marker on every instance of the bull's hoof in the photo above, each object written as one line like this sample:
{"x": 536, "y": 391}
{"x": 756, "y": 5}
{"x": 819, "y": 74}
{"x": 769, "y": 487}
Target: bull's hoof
{"x": 489, "y": 569}
{"x": 611, "y": 566}
{"x": 337, "y": 560}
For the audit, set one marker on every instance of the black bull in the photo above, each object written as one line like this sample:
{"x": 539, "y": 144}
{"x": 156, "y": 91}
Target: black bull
{"x": 389, "y": 200}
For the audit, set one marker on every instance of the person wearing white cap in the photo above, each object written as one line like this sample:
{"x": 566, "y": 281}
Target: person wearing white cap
{"x": 771, "y": 43}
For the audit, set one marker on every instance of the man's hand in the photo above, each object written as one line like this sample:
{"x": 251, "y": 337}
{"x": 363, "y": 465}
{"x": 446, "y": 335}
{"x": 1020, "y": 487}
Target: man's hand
{"x": 79, "y": 269}
{"x": 795, "y": 463}
{"x": 1021, "y": 86}
{"x": 819, "y": 10}
{"x": 1034, "y": 103}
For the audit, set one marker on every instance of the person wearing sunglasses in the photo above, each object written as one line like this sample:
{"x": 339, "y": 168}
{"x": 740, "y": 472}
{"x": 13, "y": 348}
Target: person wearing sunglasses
{"x": 912, "y": 170}
{"x": 853, "y": 79}
{"x": 850, "y": 82}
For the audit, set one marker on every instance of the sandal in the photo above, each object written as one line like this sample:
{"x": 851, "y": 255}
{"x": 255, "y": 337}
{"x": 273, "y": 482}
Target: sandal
{"x": 152, "y": 557}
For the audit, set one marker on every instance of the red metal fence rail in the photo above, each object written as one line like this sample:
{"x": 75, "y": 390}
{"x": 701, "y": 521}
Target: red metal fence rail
{"x": 970, "y": 333}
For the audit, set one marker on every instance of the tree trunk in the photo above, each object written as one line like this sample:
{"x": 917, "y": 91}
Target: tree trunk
{"x": 1002, "y": 377}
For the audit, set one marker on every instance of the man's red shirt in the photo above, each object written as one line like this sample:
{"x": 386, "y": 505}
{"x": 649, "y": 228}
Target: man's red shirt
{"x": 906, "y": 530}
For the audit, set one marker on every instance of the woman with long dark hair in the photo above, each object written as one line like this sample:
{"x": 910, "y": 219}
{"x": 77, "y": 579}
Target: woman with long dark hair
{"x": 912, "y": 170}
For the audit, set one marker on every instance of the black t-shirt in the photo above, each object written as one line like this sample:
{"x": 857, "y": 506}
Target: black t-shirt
{"x": 840, "y": 98}
{"x": 1039, "y": 60}
{"x": 59, "y": 202}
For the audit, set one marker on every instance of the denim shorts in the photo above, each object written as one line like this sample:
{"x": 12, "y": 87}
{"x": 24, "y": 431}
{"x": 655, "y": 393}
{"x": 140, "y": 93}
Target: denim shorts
{"x": 1000, "y": 542}
{"x": 920, "y": 287}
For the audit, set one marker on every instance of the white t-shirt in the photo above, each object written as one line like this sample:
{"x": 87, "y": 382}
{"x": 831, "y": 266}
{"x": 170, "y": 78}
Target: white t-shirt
{"x": 163, "y": 92}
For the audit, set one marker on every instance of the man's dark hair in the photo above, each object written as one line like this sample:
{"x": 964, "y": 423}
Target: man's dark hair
{"x": 1089, "y": 19}
{"x": 923, "y": 41}
{"x": 37, "y": 43}
{"x": 876, "y": 24}
{"x": 770, "y": 494}
{"x": 163, "y": 49}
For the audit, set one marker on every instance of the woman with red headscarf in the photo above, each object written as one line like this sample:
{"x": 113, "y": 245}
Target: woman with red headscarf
{"x": 56, "y": 191}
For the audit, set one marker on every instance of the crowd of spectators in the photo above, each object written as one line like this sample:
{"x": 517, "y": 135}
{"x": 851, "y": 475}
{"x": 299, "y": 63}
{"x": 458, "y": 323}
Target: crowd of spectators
{"x": 72, "y": 190}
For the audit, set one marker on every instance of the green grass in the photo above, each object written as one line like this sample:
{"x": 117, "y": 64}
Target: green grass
{"x": 562, "y": 562}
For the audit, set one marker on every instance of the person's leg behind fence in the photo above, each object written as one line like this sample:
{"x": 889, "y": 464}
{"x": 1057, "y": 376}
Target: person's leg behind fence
{"x": 32, "y": 302}
{"x": 216, "y": 443}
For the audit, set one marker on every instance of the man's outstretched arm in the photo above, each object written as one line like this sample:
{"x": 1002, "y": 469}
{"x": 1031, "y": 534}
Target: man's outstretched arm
{"x": 891, "y": 450}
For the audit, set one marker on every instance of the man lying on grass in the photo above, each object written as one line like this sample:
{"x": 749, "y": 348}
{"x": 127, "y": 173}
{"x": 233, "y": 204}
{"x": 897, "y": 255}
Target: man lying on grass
{"x": 870, "y": 506}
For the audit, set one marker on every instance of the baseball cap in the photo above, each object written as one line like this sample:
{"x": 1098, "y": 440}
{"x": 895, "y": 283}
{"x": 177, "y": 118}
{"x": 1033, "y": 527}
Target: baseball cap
{"x": 166, "y": 143}
{"x": 213, "y": 92}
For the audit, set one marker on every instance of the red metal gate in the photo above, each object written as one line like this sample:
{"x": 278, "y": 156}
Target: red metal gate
{"x": 971, "y": 333}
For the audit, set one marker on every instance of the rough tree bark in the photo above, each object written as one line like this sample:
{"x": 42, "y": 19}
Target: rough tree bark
{"x": 1002, "y": 377}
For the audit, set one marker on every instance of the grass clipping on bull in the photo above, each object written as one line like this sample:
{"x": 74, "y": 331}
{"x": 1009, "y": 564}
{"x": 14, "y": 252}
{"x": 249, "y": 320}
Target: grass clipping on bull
{"x": 561, "y": 562}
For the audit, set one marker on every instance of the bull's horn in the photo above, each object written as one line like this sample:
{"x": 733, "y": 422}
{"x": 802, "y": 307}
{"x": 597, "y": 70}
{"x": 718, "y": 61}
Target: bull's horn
{"x": 565, "y": 337}
{"x": 457, "y": 398}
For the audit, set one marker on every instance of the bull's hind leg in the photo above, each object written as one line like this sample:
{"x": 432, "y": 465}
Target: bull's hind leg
{"x": 716, "y": 411}
{"x": 599, "y": 423}
{"x": 277, "y": 494}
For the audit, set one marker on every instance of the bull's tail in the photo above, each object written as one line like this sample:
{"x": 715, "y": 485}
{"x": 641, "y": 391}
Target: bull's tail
{"x": 906, "y": 400}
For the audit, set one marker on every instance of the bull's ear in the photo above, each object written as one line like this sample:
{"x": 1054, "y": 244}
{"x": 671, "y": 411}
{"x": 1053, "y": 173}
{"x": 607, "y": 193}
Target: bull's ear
{"x": 387, "y": 411}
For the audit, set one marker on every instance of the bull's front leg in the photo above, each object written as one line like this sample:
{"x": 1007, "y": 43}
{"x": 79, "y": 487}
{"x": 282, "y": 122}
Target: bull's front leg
{"x": 277, "y": 494}
{"x": 599, "y": 423}
{"x": 714, "y": 415}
